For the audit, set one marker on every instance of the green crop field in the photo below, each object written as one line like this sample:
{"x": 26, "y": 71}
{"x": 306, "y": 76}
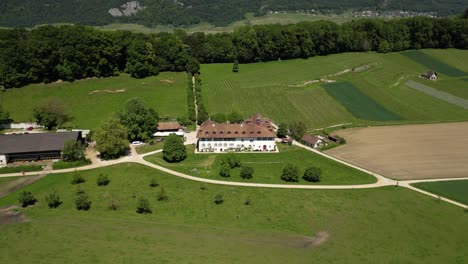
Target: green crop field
{"x": 92, "y": 101}
{"x": 268, "y": 166}
{"x": 279, "y": 89}
{"x": 433, "y": 64}
{"x": 455, "y": 190}
{"x": 280, "y": 226}
{"x": 359, "y": 104}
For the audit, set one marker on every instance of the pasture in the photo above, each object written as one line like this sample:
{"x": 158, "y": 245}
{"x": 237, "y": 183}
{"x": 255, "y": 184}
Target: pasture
{"x": 280, "y": 226}
{"x": 455, "y": 190}
{"x": 408, "y": 152}
{"x": 91, "y": 101}
{"x": 434, "y": 64}
{"x": 267, "y": 166}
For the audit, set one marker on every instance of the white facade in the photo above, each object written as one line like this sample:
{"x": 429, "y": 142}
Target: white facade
{"x": 166, "y": 134}
{"x": 236, "y": 144}
{"x": 433, "y": 77}
{"x": 3, "y": 159}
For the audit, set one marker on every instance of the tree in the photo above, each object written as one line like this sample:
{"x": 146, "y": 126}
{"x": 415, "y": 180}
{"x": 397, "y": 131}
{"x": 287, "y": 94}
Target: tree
{"x": 4, "y": 116}
{"x": 312, "y": 174}
{"x": 193, "y": 66}
{"x": 235, "y": 117}
{"x": 290, "y": 173}
{"x": 111, "y": 139}
{"x": 225, "y": 170}
{"x": 231, "y": 160}
{"x": 73, "y": 151}
{"x": 77, "y": 178}
{"x": 153, "y": 183}
{"x": 219, "y": 199}
{"x": 246, "y": 172}
{"x": 102, "y": 180}
{"x": 26, "y": 198}
{"x": 174, "y": 149}
{"x": 219, "y": 117}
{"x": 162, "y": 196}
{"x": 235, "y": 66}
{"x": 51, "y": 113}
{"x": 82, "y": 202}
{"x": 384, "y": 47}
{"x": 143, "y": 206}
{"x": 202, "y": 114}
{"x": 282, "y": 131}
{"x": 53, "y": 199}
{"x": 298, "y": 129}
{"x": 139, "y": 119}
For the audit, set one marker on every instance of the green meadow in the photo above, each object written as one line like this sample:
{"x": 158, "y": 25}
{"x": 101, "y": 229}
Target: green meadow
{"x": 384, "y": 225}
{"x": 455, "y": 190}
{"x": 433, "y": 63}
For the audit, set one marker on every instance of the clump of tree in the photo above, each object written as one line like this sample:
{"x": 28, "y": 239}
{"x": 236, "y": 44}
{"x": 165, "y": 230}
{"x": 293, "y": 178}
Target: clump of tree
{"x": 219, "y": 199}
{"x": 111, "y": 139}
{"x": 298, "y": 130}
{"x": 82, "y": 202}
{"x": 282, "y": 131}
{"x": 138, "y": 119}
{"x": 174, "y": 149}
{"x": 246, "y": 172}
{"x": 162, "y": 195}
{"x": 51, "y": 113}
{"x": 143, "y": 206}
{"x": 77, "y": 178}
{"x": 73, "y": 151}
{"x": 102, "y": 180}
{"x": 225, "y": 170}
{"x": 235, "y": 117}
{"x": 290, "y": 173}
{"x": 53, "y": 199}
{"x": 26, "y": 198}
{"x": 231, "y": 160}
{"x": 312, "y": 174}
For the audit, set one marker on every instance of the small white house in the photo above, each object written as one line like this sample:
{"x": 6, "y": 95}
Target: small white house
{"x": 430, "y": 75}
{"x": 313, "y": 141}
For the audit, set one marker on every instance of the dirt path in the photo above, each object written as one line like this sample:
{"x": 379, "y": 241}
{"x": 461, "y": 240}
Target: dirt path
{"x": 19, "y": 183}
{"x": 195, "y": 101}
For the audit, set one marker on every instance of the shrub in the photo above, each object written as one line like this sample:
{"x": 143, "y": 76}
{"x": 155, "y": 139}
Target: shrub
{"x": 312, "y": 174}
{"x": 26, "y": 168}
{"x": 174, "y": 149}
{"x": 143, "y": 206}
{"x": 79, "y": 190}
{"x": 225, "y": 170}
{"x": 290, "y": 173}
{"x": 26, "y": 198}
{"x": 82, "y": 202}
{"x": 162, "y": 196}
{"x": 60, "y": 165}
{"x": 246, "y": 172}
{"x": 153, "y": 183}
{"x": 203, "y": 187}
{"x": 219, "y": 199}
{"x": 53, "y": 199}
{"x": 232, "y": 161}
{"x": 248, "y": 201}
{"x": 77, "y": 179}
{"x": 102, "y": 180}
{"x": 113, "y": 203}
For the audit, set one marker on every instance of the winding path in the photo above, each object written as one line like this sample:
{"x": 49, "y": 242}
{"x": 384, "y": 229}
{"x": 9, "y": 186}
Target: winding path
{"x": 139, "y": 158}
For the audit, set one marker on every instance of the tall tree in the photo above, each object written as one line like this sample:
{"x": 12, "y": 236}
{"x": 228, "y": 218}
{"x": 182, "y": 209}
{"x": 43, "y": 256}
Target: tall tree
{"x": 111, "y": 139}
{"x": 51, "y": 113}
{"x": 139, "y": 119}
{"x": 174, "y": 149}
{"x": 73, "y": 151}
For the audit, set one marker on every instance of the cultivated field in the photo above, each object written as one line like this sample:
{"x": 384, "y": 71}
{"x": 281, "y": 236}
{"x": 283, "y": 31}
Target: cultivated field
{"x": 408, "y": 152}
{"x": 280, "y": 226}
{"x": 455, "y": 190}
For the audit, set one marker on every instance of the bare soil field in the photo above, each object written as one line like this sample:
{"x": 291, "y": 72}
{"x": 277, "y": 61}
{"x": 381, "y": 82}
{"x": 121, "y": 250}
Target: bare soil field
{"x": 408, "y": 152}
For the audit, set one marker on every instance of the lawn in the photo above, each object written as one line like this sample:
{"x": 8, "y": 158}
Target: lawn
{"x": 358, "y": 103}
{"x": 148, "y": 148}
{"x": 455, "y": 190}
{"x": 385, "y": 225}
{"x": 267, "y": 166}
{"x": 91, "y": 101}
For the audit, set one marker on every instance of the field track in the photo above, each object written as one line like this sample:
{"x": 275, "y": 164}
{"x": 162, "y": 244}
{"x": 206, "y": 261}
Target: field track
{"x": 408, "y": 152}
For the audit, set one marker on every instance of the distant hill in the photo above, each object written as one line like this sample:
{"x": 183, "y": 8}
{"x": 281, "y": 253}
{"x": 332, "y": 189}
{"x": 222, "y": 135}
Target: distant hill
{"x": 28, "y": 13}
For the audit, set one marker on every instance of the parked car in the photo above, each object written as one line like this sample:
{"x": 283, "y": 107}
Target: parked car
{"x": 137, "y": 143}
{"x": 29, "y": 128}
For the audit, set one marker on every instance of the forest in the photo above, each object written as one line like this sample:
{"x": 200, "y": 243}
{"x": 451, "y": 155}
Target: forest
{"x": 51, "y": 53}
{"x": 28, "y": 13}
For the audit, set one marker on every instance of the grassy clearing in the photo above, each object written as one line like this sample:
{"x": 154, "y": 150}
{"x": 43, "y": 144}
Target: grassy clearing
{"x": 189, "y": 227}
{"x": 455, "y": 190}
{"x": 433, "y": 63}
{"x": 268, "y": 166}
{"x": 359, "y": 104}
{"x": 92, "y": 101}
{"x": 70, "y": 164}
{"x": 25, "y": 168}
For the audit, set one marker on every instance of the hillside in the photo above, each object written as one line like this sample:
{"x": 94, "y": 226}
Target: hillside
{"x": 188, "y": 12}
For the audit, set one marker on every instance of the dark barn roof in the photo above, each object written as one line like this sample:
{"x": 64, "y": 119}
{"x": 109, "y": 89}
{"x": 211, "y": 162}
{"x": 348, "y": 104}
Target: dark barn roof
{"x": 37, "y": 142}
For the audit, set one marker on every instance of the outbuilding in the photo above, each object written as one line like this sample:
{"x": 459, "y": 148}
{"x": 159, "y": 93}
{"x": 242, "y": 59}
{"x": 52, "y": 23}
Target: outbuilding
{"x": 312, "y": 141}
{"x": 164, "y": 129}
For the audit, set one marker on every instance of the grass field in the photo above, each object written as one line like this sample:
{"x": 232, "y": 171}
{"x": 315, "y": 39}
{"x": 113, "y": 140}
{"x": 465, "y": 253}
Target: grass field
{"x": 277, "y": 90}
{"x": 354, "y": 226}
{"x": 359, "y": 104}
{"x": 455, "y": 190}
{"x": 268, "y": 166}
{"x": 92, "y": 101}
{"x": 148, "y": 148}
{"x": 434, "y": 64}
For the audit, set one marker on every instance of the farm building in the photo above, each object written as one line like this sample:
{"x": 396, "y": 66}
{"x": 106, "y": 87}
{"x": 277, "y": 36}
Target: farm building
{"x": 254, "y": 134}
{"x": 312, "y": 141}
{"x": 429, "y": 75}
{"x": 38, "y": 146}
{"x": 164, "y": 129}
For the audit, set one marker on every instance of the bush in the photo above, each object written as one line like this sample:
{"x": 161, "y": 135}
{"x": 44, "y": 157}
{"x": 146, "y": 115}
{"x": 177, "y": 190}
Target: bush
{"x": 225, "y": 170}
{"x": 312, "y": 174}
{"x": 60, "y": 165}
{"x": 219, "y": 199}
{"x": 53, "y": 199}
{"x": 82, "y": 202}
{"x": 290, "y": 173}
{"x": 174, "y": 149}
{"x": 232, "y": 161}
{"x": 143, "y": 206}
{"x": 162, "y": 196}
{"x": 16, "y": 169}
{"x": 77, "y": 179}
{"x": 248, "y": 201}
{"x": 153, "y": 183}
{"x": 102, "y": 180}
{"x": 26, "y": 198}
{"x": 246, "y": 172}
{"x": 79, "y": 190}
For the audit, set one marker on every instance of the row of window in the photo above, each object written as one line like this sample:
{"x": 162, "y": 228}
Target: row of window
{"x": 234, "y": 139}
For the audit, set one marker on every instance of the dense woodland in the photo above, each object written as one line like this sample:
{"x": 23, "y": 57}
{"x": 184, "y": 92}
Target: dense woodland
{"x": 49, "y": 53}
{"x": 28, "y": 13}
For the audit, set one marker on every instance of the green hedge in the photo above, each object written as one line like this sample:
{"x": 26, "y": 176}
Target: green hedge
{"x": 25, "y": 168}
{"x": 70, "y": 164}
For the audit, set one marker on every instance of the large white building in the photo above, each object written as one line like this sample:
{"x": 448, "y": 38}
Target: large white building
{"x": 254, "y": 134}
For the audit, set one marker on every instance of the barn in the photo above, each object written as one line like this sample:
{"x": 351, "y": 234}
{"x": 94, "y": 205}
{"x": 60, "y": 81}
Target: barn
{"x": 32, "y": 147}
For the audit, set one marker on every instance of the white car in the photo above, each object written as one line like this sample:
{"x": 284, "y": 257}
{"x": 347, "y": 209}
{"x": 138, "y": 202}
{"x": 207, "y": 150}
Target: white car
{"x": 137, "y": 143}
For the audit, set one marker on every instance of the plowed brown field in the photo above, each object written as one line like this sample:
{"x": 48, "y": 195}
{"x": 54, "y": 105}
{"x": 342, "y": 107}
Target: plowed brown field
{"x": 408, "y": 152}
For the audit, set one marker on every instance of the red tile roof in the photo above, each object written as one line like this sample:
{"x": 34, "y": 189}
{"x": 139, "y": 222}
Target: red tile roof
{"x": 309, "y": 139}
{"x": 210, "y": 129}
{"x": 164, "y": 126}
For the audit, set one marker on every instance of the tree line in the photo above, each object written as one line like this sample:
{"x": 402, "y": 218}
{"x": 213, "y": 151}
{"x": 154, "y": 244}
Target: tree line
{"x": 48, "y": 53}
